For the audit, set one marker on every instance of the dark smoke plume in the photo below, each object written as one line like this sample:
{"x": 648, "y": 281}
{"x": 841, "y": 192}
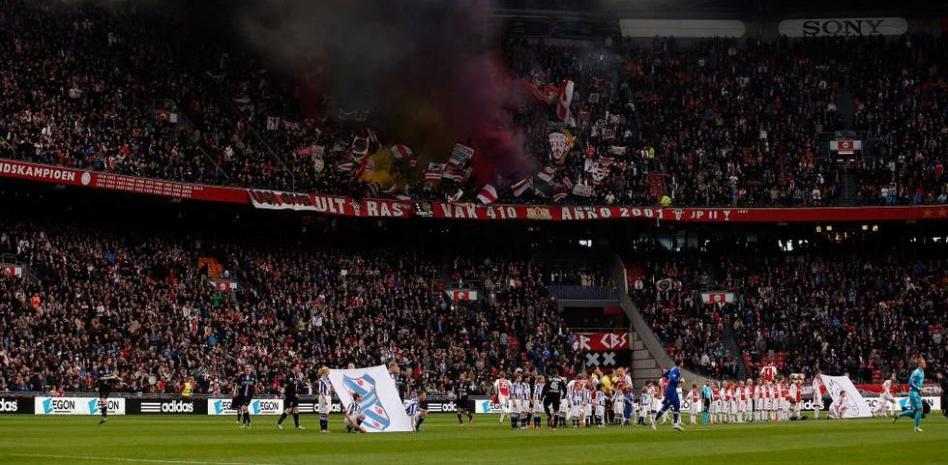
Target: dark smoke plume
{"x": 424, "y": 67}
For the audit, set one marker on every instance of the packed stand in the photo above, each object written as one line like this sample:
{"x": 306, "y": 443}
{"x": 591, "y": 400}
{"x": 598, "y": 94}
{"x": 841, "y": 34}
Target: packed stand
{"x": 162, "y": 309}
{"x": 834, "y": 308}
{"x": 719, "y": 123}
{"x": 902, "y": 109}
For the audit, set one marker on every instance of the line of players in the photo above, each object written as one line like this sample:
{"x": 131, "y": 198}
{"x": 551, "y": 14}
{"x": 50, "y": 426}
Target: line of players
{"x": 600, "y": 400}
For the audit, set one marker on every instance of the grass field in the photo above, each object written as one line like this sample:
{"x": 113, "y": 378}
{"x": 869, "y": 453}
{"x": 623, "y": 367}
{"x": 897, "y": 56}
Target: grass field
{"x": 218, "y": 440}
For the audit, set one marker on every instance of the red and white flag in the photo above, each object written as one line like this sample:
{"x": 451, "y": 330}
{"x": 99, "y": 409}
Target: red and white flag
{"x": 164, "y": 116}
{"x": 461, "y": 294}
{"x": 717, "y": 297}
{"x": 520, "y": 186}
{"x": 401, "y": 152}
{"x": 488, "y": 195}
{"x": 563, "y": 103}
{"x": 223, "y": 285}
{"x": 12, "y": 270}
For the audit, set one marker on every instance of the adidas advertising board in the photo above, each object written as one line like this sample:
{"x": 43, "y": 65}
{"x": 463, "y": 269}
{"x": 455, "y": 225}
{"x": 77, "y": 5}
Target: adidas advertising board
{"x": 13, "y": 405}
{"x": 168, "y": 406}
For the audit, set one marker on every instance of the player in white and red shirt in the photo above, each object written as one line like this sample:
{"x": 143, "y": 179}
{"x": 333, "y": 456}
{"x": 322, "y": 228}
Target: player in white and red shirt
{"x": 731, "y": 403}
{"x": 502, "y": 391}
{"x": 749, "y": 396}
{"x": 768, "y": 372}
{"x": 796, "y": 399}
{"x": 741, "y": 402}
{"x": 886, "y": 399}
{"x": 715, "y": 404}
{"x": 694, "y": 397}
{"x": 784, "y": 399}
{"x": 817, "y": 393}
{"x": 759, "y": 401}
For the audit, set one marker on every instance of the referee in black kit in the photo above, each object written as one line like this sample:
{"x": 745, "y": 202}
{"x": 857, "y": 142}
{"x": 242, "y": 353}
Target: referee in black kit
{"x": 463, "y": 390}
{"x": 292, "y": 384}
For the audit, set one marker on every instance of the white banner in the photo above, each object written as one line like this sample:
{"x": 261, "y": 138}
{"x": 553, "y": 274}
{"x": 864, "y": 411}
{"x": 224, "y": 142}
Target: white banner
{"x": 383, "y": 410}
{"x": 257, "y": 407}
{"x": 833, "y": 27}
{"x": 75, "y": 406}
{"x": 856, "y": 405}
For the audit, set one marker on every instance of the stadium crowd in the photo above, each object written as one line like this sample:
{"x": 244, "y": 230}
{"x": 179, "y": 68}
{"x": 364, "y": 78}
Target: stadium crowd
{"x": 834, "y": 309}
{"x": 161, "y": 310}
{"x": 717, "y": 123}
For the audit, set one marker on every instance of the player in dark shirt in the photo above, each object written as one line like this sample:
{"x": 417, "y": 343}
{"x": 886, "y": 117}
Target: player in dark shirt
{"x": 244, "y": 389}
{"x": 396, "y": 373}
{"x": 463, "y": 390}
{"x": 105, "y": 383}
{"x": 552, "y": 394}
{"x": 292, "y": 385}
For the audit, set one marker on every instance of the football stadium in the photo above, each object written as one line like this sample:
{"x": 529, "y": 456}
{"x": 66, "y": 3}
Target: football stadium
{"x": 279, "y": 232}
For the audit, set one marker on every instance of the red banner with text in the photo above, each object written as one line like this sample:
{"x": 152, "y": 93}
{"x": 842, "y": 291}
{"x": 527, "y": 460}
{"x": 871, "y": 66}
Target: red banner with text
{"x": 601, "y": 342}
{"x": 120, "y": 182}
{"x": 389, "y": 208}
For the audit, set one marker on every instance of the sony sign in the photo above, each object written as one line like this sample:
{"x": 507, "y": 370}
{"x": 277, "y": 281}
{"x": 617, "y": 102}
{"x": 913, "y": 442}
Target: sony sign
{"x": 843, "y": 27}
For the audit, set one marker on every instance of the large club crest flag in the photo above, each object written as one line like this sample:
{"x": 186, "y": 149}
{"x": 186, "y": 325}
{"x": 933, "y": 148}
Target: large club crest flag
{"x": 383, "y": 409}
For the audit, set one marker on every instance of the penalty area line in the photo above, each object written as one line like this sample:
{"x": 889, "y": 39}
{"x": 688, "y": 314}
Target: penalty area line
{"x": 130, "y": 459}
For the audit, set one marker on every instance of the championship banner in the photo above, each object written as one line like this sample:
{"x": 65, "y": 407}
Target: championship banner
{"x": 602, "y": 342}
{"x": 75, "y": 406}
{"x": 257, "y": 407}
{"x": 383, "y": 410}
{"x": 119, "y": 182}
{"x": 717, "y": 297}
{"x": 856, "y": 405}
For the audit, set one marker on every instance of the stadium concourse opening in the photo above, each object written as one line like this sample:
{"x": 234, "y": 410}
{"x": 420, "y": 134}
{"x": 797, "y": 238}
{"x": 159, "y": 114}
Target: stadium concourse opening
{"x": 246, "y": 233}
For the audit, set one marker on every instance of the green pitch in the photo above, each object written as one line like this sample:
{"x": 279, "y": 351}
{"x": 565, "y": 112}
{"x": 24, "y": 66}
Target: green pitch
{"x": 218, "y": 440}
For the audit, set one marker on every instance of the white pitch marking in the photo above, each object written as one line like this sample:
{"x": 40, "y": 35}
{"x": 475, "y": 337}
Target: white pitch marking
{"x": 132, "y": 460}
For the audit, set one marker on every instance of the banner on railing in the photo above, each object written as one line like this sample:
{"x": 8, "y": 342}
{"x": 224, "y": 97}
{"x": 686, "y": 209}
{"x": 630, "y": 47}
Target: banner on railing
{"x": 717, "y": 297}
{"x": 601, "y": 342}
{"x": 120, "y": 182}
{"x": 390, "y": 208}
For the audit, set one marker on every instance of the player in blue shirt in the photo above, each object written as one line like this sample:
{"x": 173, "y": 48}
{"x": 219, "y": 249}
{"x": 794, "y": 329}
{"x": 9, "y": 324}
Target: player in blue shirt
{"x": 915, "y": 396}
{"x": 673, "y": 375}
